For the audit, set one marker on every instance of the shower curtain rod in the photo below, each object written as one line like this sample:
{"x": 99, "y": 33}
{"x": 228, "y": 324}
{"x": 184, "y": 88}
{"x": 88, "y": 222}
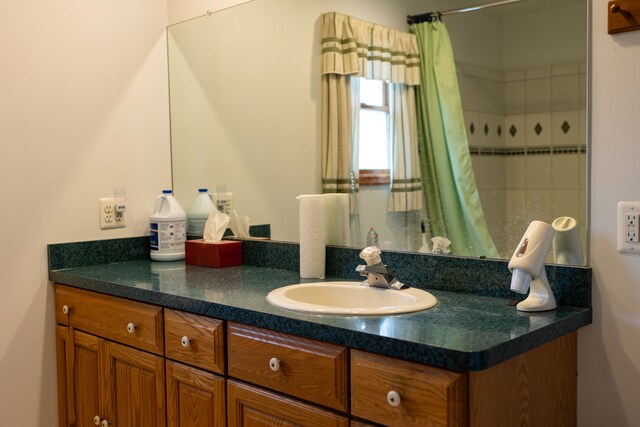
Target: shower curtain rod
{"x": 430, "y": 16}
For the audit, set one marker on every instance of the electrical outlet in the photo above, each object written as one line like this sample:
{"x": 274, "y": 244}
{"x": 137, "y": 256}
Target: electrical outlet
{"x": 628, "y": 227}
{"x": 109, "y": 218}
{"x": 631, "y": 225}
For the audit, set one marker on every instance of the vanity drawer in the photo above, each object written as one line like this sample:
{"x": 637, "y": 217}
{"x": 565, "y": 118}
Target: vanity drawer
{"x": 400, "y": 393}
{"x": 300, "y": 367}
{"x": 252, "y": 406}
{"x": 195, "y": 340}
{"x": 128, "y": 322}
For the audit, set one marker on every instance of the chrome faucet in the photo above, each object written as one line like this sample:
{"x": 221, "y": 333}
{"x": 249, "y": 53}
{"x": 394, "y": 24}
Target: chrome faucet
{"x": 377, "y": 274}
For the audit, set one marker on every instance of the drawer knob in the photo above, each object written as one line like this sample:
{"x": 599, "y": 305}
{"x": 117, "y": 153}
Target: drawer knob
{"x": 131, "y": 328}
{"x": 65, "y": 310}
{"x": 393, "y": 397}
{"x": 97, "y": 420}
{"x": 274, "y": 364}
{"x": 105, "y": 423}
{"x": 185, "y": 341}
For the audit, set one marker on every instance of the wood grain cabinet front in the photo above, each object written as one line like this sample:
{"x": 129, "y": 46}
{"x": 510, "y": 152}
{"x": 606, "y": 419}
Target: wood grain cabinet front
{"x": 110, "y": 385}
{"x": 399, "y": 393}
{"x": 301, "y": 367}
{"x": 195, "y": 398}
{"x": 250, "y": 406}
{"x": 128, "y": 322}
{"x": 112, "y": 372}
{"x": 195, "y": 340}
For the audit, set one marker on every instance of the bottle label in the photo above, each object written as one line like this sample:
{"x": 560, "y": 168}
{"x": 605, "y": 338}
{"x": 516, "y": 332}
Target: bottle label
{"x": 153, "y": 237}
{"x": 167, "y": 236}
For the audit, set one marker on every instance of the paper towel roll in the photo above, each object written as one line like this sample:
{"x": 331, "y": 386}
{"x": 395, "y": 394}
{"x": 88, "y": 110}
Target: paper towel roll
{"x": 312, "y": 236}
{"x": 336, "y": 210}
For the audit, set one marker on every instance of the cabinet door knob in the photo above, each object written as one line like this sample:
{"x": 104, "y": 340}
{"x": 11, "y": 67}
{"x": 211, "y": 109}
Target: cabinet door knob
{"x": 131, "y": 328}
{"x": 105, "y": 423}
{"x": 274, "y": 364}
{"x": 65, "y": 310}
{"x": 393, "y": 397}
{"x": 185, "y": 341}
{"x": 97, "y": 420}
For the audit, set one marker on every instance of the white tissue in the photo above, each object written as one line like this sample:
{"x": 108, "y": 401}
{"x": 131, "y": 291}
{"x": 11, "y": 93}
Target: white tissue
{"x": 215, "y": 226}
{"x": 239, "y": 225}
{"x": 312, "y": 236}
{"x": 336, "y": 209}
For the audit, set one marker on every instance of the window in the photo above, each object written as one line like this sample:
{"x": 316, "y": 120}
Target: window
{"x": 374, "y": 133}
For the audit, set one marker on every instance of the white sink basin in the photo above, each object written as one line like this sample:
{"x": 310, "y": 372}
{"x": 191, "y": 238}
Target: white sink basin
{"x": 350, "y": 298}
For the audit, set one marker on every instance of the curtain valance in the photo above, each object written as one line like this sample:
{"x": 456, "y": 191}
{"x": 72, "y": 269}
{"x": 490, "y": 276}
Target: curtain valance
{"x": 354, "y": 46}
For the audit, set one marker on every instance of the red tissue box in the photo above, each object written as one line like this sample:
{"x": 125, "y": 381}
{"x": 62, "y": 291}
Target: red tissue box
{"x": 226, "y": 253}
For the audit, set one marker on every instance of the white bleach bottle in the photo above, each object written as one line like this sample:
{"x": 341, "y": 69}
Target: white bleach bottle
{"x": 167, "y": 229}
{"x": 198, "y": 212}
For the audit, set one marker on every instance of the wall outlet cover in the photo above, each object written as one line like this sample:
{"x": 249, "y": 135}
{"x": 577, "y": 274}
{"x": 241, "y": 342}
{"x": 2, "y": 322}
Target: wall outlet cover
{"x": 109, "y": 217}
{"x": 628, "y": 227}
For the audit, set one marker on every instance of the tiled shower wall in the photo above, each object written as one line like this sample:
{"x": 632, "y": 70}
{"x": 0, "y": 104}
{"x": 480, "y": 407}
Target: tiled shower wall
{"x": 527, "y": 133}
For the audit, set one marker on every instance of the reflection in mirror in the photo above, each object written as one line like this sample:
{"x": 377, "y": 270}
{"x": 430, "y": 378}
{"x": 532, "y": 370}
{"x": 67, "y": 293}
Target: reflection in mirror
{"x": 246, "y": 93}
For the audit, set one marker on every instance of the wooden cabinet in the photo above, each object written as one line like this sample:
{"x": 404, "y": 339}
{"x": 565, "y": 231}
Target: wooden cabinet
{"x": 62, "y": 337}
{"x": 106, "y": 383}
{"x": 128, "y": 364}
{"x": 195, "y": 398}
{"x": 399, "y": 393}
{"x": 109, "y": 384}
{"x": 536, "y": 388}
{"x": 195, "y": 340}
{"x": 78, "y": 378}
{"x": 132, "y": 386}
{"x": 250, "y": 406}
{"x": 358, "y": 423}
{"x": 308, "y": 369}
{"x": 128, "y": 322}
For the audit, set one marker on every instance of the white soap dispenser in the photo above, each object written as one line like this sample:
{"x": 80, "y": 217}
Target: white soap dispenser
{"x": 527, "y": 267}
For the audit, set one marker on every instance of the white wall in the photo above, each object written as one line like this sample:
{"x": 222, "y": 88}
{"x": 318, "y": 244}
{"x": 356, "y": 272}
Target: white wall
{"x": 609, "y": 350}
{"x": 179, "y": 10}
{"x": 528, "y": 41}
{"x": 84, "y": 80}
{"x": 83, "y": 109}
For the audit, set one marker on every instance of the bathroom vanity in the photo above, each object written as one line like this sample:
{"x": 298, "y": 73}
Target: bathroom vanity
{"x": 116, "y": 358}
{"x": 155, "y": 344}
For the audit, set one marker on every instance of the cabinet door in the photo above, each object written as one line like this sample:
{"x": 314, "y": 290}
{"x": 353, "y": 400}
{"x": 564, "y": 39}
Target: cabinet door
{"x": 62, "y": 340}
{"x": 83, "y": 366}
{"x": 133, "y": 386}
{"x": 254, "y": 407}
{"x": 195, "y": 398}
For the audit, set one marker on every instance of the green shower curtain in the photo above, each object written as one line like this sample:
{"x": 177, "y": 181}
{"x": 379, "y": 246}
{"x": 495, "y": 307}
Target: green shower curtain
{"x": 450, "y": 192}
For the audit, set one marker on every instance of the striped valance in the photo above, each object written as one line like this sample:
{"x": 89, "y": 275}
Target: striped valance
{"x": 353, "y": 46}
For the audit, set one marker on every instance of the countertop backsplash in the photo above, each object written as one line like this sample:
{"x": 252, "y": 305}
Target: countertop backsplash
{"x": 571, "y": 285}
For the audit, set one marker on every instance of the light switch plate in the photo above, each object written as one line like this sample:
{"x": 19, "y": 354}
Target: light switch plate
{"x": 628, "y": 227}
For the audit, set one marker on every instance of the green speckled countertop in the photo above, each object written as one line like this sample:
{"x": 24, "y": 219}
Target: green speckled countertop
{"x": 464, "y": 332}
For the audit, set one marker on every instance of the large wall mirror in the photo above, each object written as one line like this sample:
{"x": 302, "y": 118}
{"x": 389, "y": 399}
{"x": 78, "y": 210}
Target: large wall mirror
{"x": 245, "y": 90}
